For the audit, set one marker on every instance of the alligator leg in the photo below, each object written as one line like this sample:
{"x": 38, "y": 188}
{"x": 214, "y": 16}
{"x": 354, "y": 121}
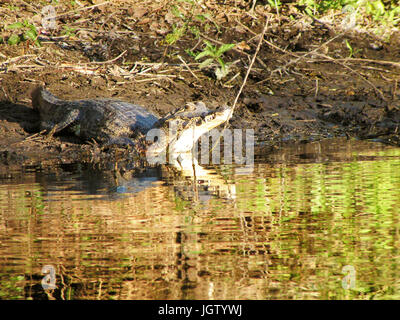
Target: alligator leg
{"x": 64, "y": 122}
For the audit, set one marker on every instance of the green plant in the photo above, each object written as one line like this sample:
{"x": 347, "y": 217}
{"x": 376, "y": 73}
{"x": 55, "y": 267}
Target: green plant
{"x": 189, "y": 52}
{"x": 12, "y": 7}
{"x": 175, "y": 35}
{"x": 379, "y": 13}
{"x": 384, "y": 12}
{"x": 23, "y": 31}
{"x": 187, "y": 18}
{"x": 274, "y": 3}
{"x": 215, "y": 54}
{"x": 317, "y": 6}
{"x": 68, "y": 31}
{"x": 351, "y": 50}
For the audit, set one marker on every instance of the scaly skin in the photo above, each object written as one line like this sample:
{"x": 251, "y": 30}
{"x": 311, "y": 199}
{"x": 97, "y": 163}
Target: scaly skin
{"x": 105, "y": 120}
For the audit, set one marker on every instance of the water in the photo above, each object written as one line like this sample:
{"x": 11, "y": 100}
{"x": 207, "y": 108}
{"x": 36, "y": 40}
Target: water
{"x": 284, "y": 231}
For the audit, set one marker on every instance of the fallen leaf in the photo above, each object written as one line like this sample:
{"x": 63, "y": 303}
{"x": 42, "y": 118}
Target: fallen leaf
{"x": 144, "y": 21}
{"x": 137, "y": 13}
{"x": 242, "y": 46}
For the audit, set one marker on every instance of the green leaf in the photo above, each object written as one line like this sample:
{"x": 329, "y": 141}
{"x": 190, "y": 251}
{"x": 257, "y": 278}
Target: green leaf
{"x": 206, "y": 63}
{"x": 14, "y": 39}
{"x": 221, "y": 62}
{"x": 195, "y": 31}
{"x": 309, "y": 12}
{"x": 16, "y": 25}
{"x": 379, "y": 6}
{"x": 175, "y": 11}
{"x": 33, "y": 28}
{"x": 175, "y": 35}
{"x": 30, "y": 34}
{"x": 209, "y": 45}
{"x": 200, "y": 17}
{"x": 348, "y": 45}
{"x": 190, "y": 53}
{"x": 225, "y": 47}
{"x": 202, "y": 54}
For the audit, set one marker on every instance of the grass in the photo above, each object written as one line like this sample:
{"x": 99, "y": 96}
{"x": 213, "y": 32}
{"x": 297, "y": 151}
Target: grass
{"x": 351, "y": 50}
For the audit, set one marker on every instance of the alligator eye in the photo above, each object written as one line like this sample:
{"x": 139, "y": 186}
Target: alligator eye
{"x": 190, "y": 106}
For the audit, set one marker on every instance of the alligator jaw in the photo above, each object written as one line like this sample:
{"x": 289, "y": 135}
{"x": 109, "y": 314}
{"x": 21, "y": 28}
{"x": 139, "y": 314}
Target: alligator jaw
{"x": 186, "y": 138}
{"x": 182, "y": 129}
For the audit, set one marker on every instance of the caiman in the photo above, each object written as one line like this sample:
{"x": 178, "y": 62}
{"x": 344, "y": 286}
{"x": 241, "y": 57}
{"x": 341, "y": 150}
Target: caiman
{"x": 109, "y": 121}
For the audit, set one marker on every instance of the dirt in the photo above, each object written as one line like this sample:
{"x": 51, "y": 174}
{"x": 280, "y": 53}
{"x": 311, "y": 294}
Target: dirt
{"x": 302, "y": 87}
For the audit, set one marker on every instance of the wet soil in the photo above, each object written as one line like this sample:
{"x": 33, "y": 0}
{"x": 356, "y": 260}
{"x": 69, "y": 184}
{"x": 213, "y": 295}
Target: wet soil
{"x": 302, "y": 87}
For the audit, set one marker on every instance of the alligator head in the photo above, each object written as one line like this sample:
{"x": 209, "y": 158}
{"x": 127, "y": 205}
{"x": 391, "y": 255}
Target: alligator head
{"x": 179, "y": 131}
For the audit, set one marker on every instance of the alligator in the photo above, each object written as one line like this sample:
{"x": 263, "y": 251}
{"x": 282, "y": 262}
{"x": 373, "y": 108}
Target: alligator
{"x": 109, "y": 122}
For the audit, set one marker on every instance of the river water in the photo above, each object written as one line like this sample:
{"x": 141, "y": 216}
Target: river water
{"x": 310, "y": 221}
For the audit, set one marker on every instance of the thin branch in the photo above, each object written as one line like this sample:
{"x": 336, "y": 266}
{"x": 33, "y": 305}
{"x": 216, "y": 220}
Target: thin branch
{"x": 81, "y": 9}
{"x": 108, "y": 61}
{"x": 250, "y": 67}
{"x": 187, "y": 67}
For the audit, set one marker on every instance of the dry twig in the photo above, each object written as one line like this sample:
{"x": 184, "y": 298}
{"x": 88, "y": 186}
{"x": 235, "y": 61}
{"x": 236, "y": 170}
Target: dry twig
{"x": 250, "y": 67}
{"x": 187, "y": 67}
{"x": 245, "y": 78}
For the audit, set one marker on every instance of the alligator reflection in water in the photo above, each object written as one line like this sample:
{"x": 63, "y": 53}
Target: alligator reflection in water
{"x": 189, "y": 180}
{"x": 194, "y": 182}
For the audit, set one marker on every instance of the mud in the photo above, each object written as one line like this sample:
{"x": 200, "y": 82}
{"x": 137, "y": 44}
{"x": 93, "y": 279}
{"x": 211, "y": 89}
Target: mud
{"x": 307, "y": 90}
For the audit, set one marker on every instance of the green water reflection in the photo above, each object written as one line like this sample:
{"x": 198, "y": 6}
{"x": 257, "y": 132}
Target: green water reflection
{"x": 303, "y": 214}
